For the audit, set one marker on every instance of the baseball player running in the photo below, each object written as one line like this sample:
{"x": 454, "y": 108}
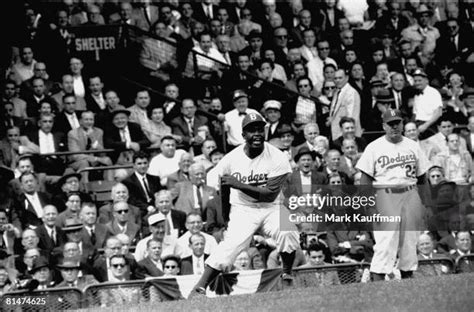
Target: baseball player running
{"x": 255, "y": 172}
{"x": 393, "y": 164}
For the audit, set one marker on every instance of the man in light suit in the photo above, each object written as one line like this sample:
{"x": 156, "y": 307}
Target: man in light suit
{"x": 152, "y": 265}
{"x": 193, "y": 195}
{"x": 194, "y": 264}
{"x": 139, "y": 111}
{"x": 87, "y": 137}
{"x": 345, "y": 103}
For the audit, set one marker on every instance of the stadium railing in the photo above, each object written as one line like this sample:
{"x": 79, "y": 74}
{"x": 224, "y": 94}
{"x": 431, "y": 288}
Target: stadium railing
{"x": 345, "y": 273}
{"x": 52, "y": 299}
{"x": 115, "y": 294}
{"x": 434, "y": 267}
{"x": 465, "y": 264}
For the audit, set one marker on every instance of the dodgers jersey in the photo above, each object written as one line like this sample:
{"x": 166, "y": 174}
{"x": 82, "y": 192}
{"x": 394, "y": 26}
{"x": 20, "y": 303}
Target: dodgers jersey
{"x": 269, "y": 164}
{"x": 393, "y": 163}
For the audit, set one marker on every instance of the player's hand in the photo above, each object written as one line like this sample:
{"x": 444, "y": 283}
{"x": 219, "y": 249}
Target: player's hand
{"x": 228, "y": 180}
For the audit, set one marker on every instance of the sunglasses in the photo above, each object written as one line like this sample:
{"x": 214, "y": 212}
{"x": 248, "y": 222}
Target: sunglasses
{"x": 170, "y": 266}
{"x": 435, "y": 176}
{"x": 122, "y": 211}
{"x": 118, "y": 265}
{"x": 329, "y": 88}
{"x": 304, "y": 86}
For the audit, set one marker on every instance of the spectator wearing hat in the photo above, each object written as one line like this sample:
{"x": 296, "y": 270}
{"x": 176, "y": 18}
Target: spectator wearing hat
{"x": 29, "y": 205}
{"x": 50, "y": 236}
{"x": 42, "y": 273}
{"x": 305, "y": 179}
{"x": 422, "y": 35}
{"x": 233, "y": 118}
{"x": 24, "y": 263}
{"x": 73, "y": 205}
{"x": 73, "y": 228}
{"x": 272, "y": 110}
{"x": 427, "y": 104}
{"x": 123, "y": 135}
{"x": 254, "y": 50}
{"x": 70, "y": 269}
{"x": 157, "y": 224}
{"x": 68, "y": 183}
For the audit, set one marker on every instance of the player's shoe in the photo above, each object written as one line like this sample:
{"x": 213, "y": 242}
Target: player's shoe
{"x": 198, "y": 292}
{"x": 287, "y": 280}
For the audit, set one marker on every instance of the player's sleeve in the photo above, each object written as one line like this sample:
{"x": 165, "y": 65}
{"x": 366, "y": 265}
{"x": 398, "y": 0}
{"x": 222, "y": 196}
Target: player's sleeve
{"x": 219, "y": 170}
{"x": 423, "y": 164}
{"x": 366, "y": 162}
{"x": 282, "y": 164}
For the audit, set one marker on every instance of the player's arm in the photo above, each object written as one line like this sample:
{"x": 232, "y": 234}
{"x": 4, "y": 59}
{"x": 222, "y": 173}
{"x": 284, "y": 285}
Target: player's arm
{"x": 365, "y": 179}
{"x": 265, "y": 194}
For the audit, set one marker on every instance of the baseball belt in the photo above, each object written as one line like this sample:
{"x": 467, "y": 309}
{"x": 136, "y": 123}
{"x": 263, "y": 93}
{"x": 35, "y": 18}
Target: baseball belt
{"x": 398, "y": 190}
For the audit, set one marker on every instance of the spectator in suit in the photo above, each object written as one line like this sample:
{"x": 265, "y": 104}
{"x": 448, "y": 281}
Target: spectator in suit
{"x": 425, "y": 247}
{"x": 193, "y": 195}
{"x": 50, "y": 236}
{"x": 175, "y": 219}
{"x": 8, "y": 234}
{"x": 171, "y": 108}
{"x": 39, "y": 95}
{"x": 42, "y": 273}
{"x": 93, "y": 234}
{"x": 305, "y": 179}
{"x": 9, "y": 148}
{"x": 346, "y": 103}
{"x": 147, "y": 13}
{"x": 316, "y": 257}
{"x": 183, "y": 172}
{"x": 95, "y": 98}
{"x": 190, "y": 126}
{"x": 87, "y": 137}
{"x": 333, "y": 165}
{"x": 122, "y": 224}
{"x": 273, "y": 115}
{"x": 139, "y": 111}
{"x": 392, "y": 21}
{"x": 142, "y": 186}
{"x": 70, "y": 269}
{"x": 310, "y": 131}
{"x": 102, "y": 264}
{"x": 194, "y": 225}
{"x": 9, "y": 95}
{"x": 68, "y": 119}
{"x": 152, "y": 265}
{"x": 67, "y": 87}
{"x": 463, "y": 247}
{"x": 67, "y": 184}
{"x": 29, "y": 206}
{"x": 45, "y": 141}
{"x": 204, "y": 11}
{"x": 316, "y": 65}
{"x": 118, "y": 193}
{"x": 347, "y": 125}
{"x": 39, "y": 71}
{"x": 194, "y": 264}
{"x": 23, "y": 69}
{"x": 123, "y": 135}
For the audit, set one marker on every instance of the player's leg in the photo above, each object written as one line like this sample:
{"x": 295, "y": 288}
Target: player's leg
{"x": 386, "y": 236}
{"x": 412, "y": 216}
{"x": 244, "y": 221}
{"x": 287, "y": 240}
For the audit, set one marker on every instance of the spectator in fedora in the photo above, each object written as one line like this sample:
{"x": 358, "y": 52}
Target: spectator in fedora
{"x": 70, "y": 269}
{"x": 42, "y": 273}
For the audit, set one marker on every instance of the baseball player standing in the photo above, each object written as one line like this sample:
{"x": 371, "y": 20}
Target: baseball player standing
{"x": 255, "y": 172}
{"x": 393, "y": 164}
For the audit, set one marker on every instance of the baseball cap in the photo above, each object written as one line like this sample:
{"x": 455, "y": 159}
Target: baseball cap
{"x": 238, "y": 94}
{"x": 253, "y": 118}
{"x": 155, "y": 218}
{"x": 272, "y": 104}
{"x": 420, "y": 72}
{"x": 391, "y": 115}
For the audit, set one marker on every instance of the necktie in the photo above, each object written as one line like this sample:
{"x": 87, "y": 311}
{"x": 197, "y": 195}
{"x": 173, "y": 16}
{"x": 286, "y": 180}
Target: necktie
{"x": 208, "y": 12}
{"x": 199, "y": 198}
{"x": 123, "y": 136}
{"x": 93, "y": 238}
{"x": 89, "y": 143}
{"x": 198, "y": 266}
{"x": 190, "y": 127}
{"x": 453, "y": 40}
{"x": 399, "y": 100}
{"x": 147, "y": 189}
{"x": 53, "y": 236}
{"x": 167, "y": 227}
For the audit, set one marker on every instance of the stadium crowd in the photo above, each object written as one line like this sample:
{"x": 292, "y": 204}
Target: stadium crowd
{"x": 322, "y": 73}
